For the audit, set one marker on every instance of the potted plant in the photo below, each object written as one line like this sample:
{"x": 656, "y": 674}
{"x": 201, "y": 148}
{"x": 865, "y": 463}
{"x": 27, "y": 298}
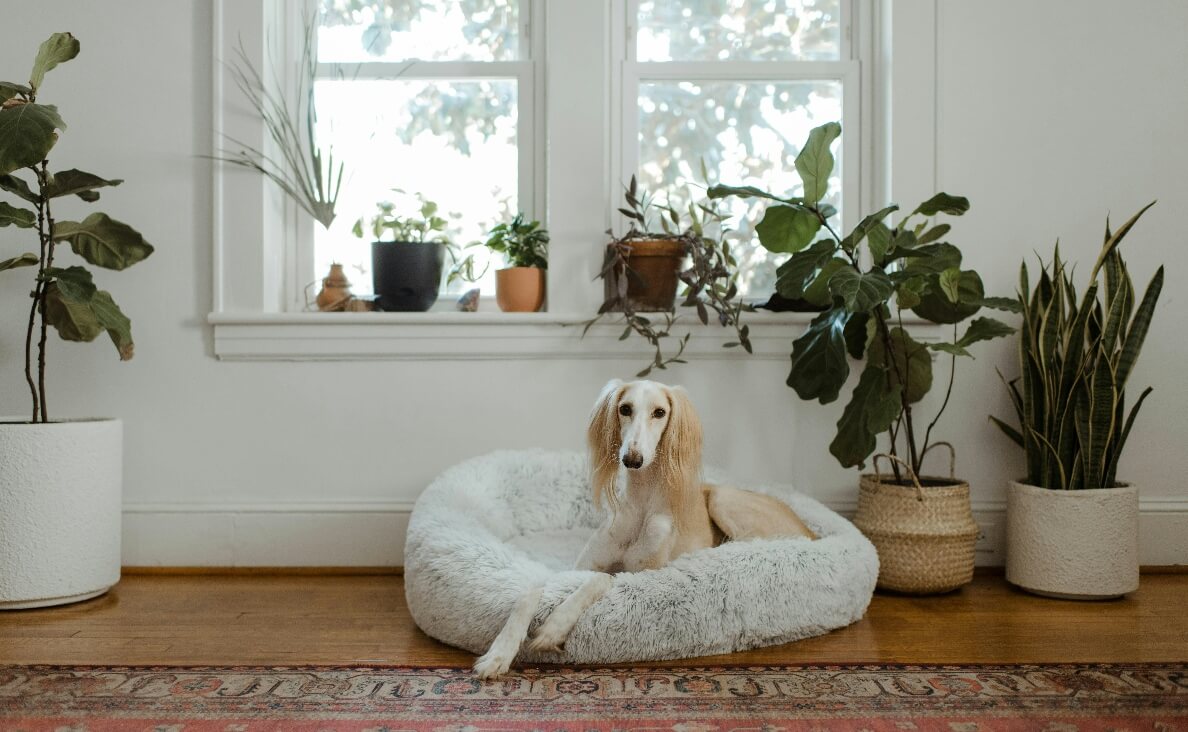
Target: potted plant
{"x": 1072, "y": 527}
{"x": 641, "y": 268}
{"x": 520, "y": 287}
{"x": 406, "y": 268}
{"x": 60, "y": 480}
{"x": 921, "y": 525}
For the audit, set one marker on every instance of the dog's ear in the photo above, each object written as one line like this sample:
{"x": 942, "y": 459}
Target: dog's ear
{"x": 602, "y": 440}
{"x": 680, "y": 449}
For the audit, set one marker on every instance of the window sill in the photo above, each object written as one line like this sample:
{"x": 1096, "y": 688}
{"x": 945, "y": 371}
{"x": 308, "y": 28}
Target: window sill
{"x": 483, "y": 335}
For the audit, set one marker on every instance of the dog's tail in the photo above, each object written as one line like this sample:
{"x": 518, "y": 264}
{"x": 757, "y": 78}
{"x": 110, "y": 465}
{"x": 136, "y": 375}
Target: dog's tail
{"x": 498, "y": 658}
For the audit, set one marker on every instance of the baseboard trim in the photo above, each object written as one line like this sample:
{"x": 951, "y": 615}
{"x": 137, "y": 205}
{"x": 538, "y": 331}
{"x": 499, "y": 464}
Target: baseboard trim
{"x": 324, "y": 536}
{"x": 183, "y": 571}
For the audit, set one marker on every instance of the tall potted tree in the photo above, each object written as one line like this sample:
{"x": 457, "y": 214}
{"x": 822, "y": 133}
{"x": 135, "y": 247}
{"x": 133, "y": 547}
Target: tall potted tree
{"x": 866, "y": 280}
{"x": 60, "y": 481}
{"x": 1072, "y": 526}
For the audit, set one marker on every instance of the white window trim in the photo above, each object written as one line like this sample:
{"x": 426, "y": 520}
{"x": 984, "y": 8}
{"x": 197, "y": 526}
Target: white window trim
{"x": 253, "y": 253}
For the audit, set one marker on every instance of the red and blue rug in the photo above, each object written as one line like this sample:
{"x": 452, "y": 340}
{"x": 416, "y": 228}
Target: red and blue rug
{"x": 878, "y": 698}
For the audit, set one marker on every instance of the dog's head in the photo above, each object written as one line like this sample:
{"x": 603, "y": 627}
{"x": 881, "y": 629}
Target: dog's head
{"x": 639, "y": 425}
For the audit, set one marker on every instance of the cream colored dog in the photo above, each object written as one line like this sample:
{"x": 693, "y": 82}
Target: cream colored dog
{"x": 650, "y": 433}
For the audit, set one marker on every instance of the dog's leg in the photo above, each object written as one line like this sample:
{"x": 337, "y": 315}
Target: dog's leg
{"x": 555, "y": 630}
{"x": 653, "y": 548}
{"x": 498, "y": 658}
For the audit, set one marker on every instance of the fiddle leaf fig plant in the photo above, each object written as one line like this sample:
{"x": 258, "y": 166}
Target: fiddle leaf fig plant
{"x": 66, "y": 298}
{"x": 865, "y": 281}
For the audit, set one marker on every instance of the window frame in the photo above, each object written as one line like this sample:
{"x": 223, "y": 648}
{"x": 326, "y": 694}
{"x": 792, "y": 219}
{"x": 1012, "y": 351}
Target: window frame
{"x": 577, "y": 95}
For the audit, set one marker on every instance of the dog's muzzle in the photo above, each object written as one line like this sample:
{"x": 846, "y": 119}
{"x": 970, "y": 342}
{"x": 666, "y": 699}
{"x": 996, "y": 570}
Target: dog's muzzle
{"x": 633, "y": 460}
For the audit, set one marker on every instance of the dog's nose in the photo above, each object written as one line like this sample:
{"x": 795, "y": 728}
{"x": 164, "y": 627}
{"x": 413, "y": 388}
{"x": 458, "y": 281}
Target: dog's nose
{"x": 633, "y": 460}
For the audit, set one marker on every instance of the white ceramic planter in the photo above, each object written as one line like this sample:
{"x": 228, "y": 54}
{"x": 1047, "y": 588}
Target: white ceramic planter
{"x": 60, "y": 505}
{"x": 1073, "y": 544}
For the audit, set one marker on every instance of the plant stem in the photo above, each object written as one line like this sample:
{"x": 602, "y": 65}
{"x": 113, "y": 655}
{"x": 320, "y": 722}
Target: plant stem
{"x": 48, "y": 246}
{"x": 42, "y": 240}
{"x": 945, "y": 403}
{"x": 906, "y": 410}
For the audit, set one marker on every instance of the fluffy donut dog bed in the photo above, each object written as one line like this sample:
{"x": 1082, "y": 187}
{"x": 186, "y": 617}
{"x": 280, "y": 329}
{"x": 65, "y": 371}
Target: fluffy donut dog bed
{"x": 490, "y": 528}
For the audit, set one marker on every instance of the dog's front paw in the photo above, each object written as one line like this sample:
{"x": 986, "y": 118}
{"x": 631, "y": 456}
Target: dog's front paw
{"x": 547, "y": 639}
{"x": 492, "y": 664}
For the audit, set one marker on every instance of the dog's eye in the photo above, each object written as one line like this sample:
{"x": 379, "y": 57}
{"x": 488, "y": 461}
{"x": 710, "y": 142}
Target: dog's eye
{"x": 625, "y": 410}
{"x": 658, "y": 414}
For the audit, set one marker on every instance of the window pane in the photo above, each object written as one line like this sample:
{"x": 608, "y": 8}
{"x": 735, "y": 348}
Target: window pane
{"x": 748, "y": 133}
{"x": 394, "y": 30}
{"x": 739, "y": 30}
{"x": 454, "y": 142}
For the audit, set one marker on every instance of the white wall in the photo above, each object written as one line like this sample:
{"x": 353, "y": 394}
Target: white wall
{"x": 1049, "y": 115}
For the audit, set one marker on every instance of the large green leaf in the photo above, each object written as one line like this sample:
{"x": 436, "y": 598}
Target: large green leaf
{"x": 8, "y": 90}
{"x": 928, "y": 259}
{"x": 984, "y": 329}
{"x": 936, "y": 307}
{"x": 721, "y": 191}
{"x": 58, "y": 48}
{"x": 873, "y": 406}
{"x": 74, "y": 321}
{"x": 943, "y": 203}
{"x": 103, "y": 241}
{"x": 934, "y": 234}
{"x": 795, "y": 274}
{"x": 1137, "y": 332}
{"x": 855, "y": 237}
{"x": 787, "y": 229}
{"x": 113, "y": 320}
{"x": 819, "y": 366}
{"x": 815, "y": 161}
{"x": 19, "y": 217}
{"x": 27, "y": 135}
{"x": 1009, "y": 304}
{"x": 817, "y": 292}
{"x": 15, "y": 185}
{"x": 857, "y": 334}
{"x": 878, "y": 239}
{"x": 28, "y": 259}
{"x": 79, "y": 183}
{"x": 859, "y": 291}
{"x": 75, "y": 283}
{"x": 909, "y": 364}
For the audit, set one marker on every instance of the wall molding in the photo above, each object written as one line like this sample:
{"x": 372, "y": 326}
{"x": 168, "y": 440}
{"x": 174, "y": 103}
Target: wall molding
{"x": 371, "y": 533}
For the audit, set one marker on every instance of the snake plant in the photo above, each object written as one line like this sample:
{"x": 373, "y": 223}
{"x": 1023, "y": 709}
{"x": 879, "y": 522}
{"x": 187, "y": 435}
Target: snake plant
{"x": 1076, "y": 356}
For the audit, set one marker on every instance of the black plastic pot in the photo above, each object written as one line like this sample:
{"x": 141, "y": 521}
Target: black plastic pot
{"x": 406, "y": 275}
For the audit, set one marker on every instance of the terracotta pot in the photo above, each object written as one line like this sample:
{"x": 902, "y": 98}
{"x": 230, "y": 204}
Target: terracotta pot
{"x": 1077, "y": 545}
{"x": 657, "y": 262}
{"x": 336, "y": 290}
{"x": 519, "y": 289}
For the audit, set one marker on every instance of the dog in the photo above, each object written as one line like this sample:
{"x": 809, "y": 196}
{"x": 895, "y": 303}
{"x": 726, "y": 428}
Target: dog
{"x": 647, "y": 436}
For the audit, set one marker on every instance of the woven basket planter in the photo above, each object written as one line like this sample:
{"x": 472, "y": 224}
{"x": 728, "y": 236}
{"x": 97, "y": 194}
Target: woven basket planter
{"x": 924, "y": 532}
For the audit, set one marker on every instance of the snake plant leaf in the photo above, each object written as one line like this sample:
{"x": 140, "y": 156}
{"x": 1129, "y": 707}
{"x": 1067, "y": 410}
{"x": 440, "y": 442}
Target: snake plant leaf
{"x": 79, "y": 183}
{"x": 19, "y": 217}
{"x": 18, "y": 187}
{"x": 934, "y": 306}
{"x": 103, "y": 241}
{"x": 873, "y": 406}
{"x": 722, "y": 191}
{"x": 943, "y": 203}
{"x": 1116, "y": 239}
{"x": 75, "y": 283}
{"x": 1095, "y": 408}
{"x": 27, "y": 134}
{"x": 58, "y": 48}
{"x": 795, "y": 274}
{"x": 860, "y": 291}
{"x": 1110, "y": 478}
{"x": 787, "y": 229}
{"x": 28, "y": 259}
{"x": 815, "y": 161}
{"x": 817, "y": 293}
{"x": 819, "y": 366}
{"x": 906, "y": 360}
{"x": 1012, "y": 433}
{"x": 74, "y": 321}
{"x": 1137, "y": 332}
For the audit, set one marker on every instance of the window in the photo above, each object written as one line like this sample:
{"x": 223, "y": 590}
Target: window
{"x": 737, "y": 84}
{"x": 427, "y": 97}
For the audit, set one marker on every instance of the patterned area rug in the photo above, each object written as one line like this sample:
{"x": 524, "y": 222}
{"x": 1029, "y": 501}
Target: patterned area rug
{"x": 1057, "y": 698}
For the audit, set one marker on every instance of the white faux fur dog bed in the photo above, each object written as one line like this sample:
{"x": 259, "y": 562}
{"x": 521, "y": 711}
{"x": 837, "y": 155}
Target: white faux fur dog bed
{"x": 488, "y": 529}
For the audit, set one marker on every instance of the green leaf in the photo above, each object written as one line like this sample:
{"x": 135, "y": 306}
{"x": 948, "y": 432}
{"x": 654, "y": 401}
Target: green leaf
{"x": 819, "y": 366}
{"x": 787, "y": 229}
{"x": 879, "y": 241}
{"x": 984, "y": 329}
{"x": 16, "y": 186}
{"x": 721, "y": 191}
{"x": 103, "y": 241}
{"x": 855, "y": 334}
{"x": 1137, "y": 332}
{"x": 75, "y": 283}
{"x": 27, "y": 135}
{"x": 943, "y": 203}
{"x": 79, "y": 183}
{"x": 58, "y": 48}
{"x": 934, "y": 234}
{"x": 28, "y": 259}
{"x": 1009, "y": 304}
{"x": 795, "y": 274}
{"x": 929, "y": 259}
{"x": 950, "y": 283}
{"x": 937, "y": 308}
{"x": 818, "y": 292}
{"x": 1009, "y": 431}
{"x": 953, "y": 349}
{"x": 19, "y": 217}
{"x": 113, "y": 320}
{"x": 873, "y": 406}
{"x": 8, "y": 90}
{"x": 909, "y": 364}
{"x": 907, "y": 294}
{"x": 860, "y": 292}
{"x": 860, "y": 231}
{"x": 815, "y": 161}
{"x": 74, "y": 321}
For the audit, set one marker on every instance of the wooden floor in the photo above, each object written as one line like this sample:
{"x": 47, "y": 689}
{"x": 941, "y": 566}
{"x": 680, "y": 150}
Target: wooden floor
{"x": 349, "y": 620}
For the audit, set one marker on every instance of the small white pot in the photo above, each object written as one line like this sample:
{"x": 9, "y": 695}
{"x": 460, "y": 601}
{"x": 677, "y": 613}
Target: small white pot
{"x": 60, "y": 506}
{"x": 1080, "y": 545}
